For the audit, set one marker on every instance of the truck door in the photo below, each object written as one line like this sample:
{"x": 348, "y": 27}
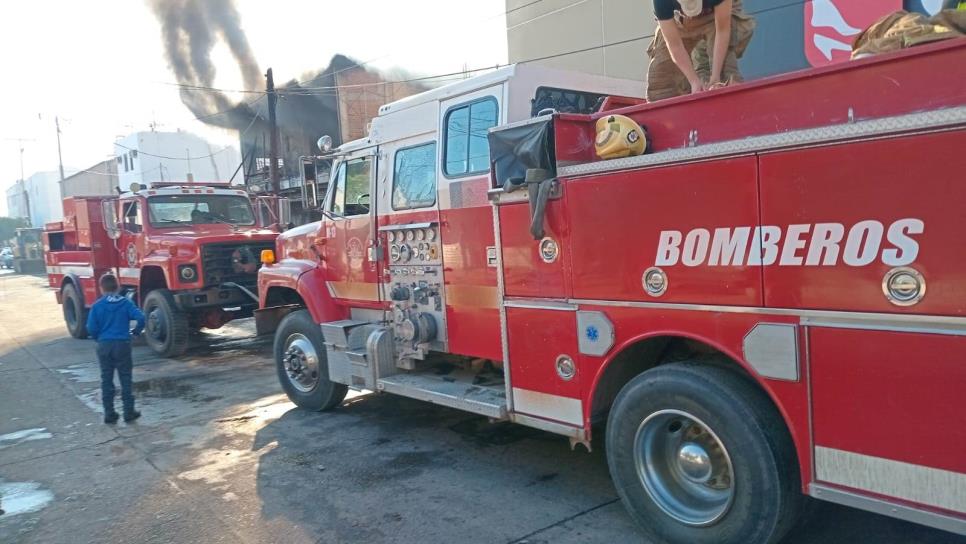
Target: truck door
{"x": 351, "y": 256}
{"x": 131, "y": 243}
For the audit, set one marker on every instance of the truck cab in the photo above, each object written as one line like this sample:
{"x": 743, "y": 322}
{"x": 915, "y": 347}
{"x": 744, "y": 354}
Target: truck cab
{"x": 187, "y": 254}
{"x": 404, "y": 259}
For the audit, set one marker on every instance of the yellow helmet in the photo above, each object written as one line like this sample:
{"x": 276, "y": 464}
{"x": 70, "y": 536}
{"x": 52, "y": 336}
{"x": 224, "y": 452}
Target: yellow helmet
{"x": 618, "y": 136}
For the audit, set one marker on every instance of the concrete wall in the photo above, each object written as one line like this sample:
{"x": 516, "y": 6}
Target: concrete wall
{"x": 551, "y": 27}
{"x": 145, "y": 157}
{"x": 785, "y": 40}
{"x": 99, "y": 179}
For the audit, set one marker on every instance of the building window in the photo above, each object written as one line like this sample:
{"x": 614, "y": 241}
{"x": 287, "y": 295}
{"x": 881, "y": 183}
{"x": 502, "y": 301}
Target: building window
{"x": 414, "y": 177}
{"x": 467, "y": 148}
{"x": 126, "y": 168}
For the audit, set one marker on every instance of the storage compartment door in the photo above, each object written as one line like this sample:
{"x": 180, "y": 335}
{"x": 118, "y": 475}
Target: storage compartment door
{"x": 888, "y": 414}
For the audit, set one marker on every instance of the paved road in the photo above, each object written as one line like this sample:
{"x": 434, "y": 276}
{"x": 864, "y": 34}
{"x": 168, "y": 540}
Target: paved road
{"x": 221, "y": 456}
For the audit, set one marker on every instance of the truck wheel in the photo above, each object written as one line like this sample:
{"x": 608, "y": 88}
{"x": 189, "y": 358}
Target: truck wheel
{"x": 699, "y": 455}
{"x": 166, "y": 327}
{"x": 302, "y": 365}
{"x": 75, "y": 313}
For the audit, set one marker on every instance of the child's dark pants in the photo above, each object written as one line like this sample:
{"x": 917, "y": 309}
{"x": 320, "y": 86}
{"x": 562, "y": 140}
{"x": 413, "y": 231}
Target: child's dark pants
{"x": 115, "y": 355}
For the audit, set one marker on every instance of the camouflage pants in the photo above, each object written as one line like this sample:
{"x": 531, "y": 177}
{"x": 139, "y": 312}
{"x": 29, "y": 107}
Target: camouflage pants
{"x": 665, "y": 79}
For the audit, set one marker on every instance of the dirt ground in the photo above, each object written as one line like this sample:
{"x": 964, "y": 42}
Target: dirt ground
{"x": 220, "y": 455}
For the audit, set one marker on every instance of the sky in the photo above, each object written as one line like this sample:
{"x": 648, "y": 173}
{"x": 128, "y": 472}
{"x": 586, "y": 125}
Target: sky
{"x": 99, "y": 65}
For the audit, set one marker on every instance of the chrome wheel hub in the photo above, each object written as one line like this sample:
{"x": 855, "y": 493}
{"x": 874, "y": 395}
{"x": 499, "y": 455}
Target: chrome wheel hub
{"x": 155, "y": 324}
{"x": 301, "y": 362}
{"x": 694, "y": 462}
{"x": 684, "y": 467}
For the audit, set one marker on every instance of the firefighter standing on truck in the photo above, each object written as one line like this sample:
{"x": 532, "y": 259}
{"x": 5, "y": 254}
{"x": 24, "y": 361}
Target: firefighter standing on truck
{"x": 687, "y": 55}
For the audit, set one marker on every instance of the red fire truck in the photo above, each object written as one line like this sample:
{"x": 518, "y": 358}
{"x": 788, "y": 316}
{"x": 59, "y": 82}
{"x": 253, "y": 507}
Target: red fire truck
{"x": 766, "y": 306}
{"x": 187, "y": 253}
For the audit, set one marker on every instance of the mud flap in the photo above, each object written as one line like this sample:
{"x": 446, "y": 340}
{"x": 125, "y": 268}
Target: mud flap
{"x": 267, "y": 320}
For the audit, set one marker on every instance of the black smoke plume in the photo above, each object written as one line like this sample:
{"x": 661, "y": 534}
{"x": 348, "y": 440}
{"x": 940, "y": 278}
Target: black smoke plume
{"x": 190, "y": 30}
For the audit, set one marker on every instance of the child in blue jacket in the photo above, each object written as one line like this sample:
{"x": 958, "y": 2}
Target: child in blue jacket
{"x": 109, "y": 322}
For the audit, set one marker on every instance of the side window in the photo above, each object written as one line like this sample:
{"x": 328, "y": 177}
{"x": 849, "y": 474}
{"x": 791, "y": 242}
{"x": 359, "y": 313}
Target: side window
{"x": 338, "y": 199}
{"x": 414, "y": 177}
{"x": 352, "y": 188}
{"x": 467, "y": 150}
{"x": 132, "y": 219}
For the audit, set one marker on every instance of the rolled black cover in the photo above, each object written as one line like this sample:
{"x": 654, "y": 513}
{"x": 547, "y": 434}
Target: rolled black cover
{"x": 515, "y": 150}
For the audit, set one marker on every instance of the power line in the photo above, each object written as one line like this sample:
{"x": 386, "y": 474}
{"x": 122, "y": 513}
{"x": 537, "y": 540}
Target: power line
{"x": 362, "y": 64}
{"x": 242, "y": 133}
{"x": 231, "y": 109}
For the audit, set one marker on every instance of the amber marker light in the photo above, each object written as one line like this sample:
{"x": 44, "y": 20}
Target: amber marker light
{"x": 268, "y": 256}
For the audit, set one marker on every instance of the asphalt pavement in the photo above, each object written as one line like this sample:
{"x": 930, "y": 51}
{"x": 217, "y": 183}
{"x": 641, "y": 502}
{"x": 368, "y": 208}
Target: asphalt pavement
{"x": 220, "y": 455}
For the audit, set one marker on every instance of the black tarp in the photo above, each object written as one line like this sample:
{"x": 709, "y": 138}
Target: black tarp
{"x": 515, "y": 150}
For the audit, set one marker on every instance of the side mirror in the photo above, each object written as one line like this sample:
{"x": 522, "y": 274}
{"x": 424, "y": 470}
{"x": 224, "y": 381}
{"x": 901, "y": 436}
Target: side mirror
{"x": 109, "y": 212}
{"x": 284, "y": 212}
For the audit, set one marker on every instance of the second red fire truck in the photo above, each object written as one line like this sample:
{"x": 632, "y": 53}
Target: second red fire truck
{"x": 187, "y": 253}
{"x": 768, "y": 305}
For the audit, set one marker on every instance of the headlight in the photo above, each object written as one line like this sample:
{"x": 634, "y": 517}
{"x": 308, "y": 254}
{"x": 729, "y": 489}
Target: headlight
{"x": 188, "y": 272}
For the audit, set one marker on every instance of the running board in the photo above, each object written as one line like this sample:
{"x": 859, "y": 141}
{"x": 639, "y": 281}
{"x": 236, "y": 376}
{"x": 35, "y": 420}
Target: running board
{"x": 489, "y": 401}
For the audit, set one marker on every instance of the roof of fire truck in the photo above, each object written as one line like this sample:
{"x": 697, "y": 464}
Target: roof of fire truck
{"x": 525, "y": 75}
{"x": 181, "y": 187}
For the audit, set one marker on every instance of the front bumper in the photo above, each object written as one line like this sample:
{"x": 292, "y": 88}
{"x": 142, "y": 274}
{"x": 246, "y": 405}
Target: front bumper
{"x": 214, "y": 297}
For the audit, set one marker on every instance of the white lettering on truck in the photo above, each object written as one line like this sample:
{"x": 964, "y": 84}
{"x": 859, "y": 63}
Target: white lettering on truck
{"x": 821, "y": 244}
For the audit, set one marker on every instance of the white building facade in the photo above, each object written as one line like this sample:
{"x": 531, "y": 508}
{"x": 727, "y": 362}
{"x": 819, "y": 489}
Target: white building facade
{"x": 146, "y": 157}
{"x": 36, "y": 198}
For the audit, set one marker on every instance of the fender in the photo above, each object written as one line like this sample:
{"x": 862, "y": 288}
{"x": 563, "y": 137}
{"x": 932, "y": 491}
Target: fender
{"x": 161, "y": 262}
{"x": 782, "y": 394}
{"x": 305, "y": 278}
{"x": 77, "y": 283}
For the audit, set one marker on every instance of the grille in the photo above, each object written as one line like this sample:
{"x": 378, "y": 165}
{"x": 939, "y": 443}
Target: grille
{"x": 237, "y": 263}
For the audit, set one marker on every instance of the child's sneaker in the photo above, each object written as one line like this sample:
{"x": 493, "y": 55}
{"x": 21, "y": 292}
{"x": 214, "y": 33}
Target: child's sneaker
{"x": 130, "y": 417}
{"x": 111, "y": 419}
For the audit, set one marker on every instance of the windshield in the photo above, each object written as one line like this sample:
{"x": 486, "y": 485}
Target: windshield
{"x": 195, "y": 209}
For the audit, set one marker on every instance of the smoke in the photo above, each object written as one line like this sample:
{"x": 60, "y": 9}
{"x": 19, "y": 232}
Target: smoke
{"x": 307, "y": 108}
{"x": 190, "y": 30}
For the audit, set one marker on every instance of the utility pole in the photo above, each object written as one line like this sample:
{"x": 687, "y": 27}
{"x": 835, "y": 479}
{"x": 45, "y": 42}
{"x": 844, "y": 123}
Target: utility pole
{"x": 273, "y": 149}
{"x": 60, "y": 159}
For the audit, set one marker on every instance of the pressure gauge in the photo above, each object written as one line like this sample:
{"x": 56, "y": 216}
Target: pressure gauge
{"x": 405, "y": 253}
{"x": 394, "y": 253}
{"x": 391, "y": 236}
{"x": 430, "y": 234}
{"x": 410, "y": 235}
{"x": 420, "y": 235}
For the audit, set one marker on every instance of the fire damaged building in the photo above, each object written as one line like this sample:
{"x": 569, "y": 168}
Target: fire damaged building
{"x": 339, "y": 101}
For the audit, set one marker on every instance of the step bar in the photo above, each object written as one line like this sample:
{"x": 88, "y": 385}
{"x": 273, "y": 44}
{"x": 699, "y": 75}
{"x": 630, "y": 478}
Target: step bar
{"x": 489, "y": 401}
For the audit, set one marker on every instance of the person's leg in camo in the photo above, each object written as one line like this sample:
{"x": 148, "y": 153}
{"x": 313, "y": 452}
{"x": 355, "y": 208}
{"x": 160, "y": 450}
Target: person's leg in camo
{"x": 664, "y": 78}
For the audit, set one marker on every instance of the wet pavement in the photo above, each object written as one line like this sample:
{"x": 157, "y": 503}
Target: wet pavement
{"x": 220, "y": 455}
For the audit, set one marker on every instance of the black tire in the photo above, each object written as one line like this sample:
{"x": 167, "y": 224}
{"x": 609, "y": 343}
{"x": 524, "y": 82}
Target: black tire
{"x": 766, "y": 497}
{"x": 316, "y": 392}
{"x": 166, "y": 331}
{"x": 75, "y": 313}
